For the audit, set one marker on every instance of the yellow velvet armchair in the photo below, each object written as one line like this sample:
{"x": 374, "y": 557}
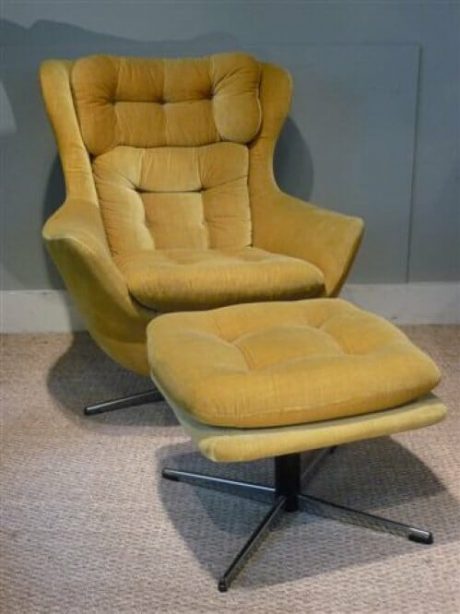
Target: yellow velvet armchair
{"x": 171, "y": 199}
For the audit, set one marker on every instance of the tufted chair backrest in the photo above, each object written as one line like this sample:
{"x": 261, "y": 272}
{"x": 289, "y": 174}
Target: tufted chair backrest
{"x": 168, "y": 140}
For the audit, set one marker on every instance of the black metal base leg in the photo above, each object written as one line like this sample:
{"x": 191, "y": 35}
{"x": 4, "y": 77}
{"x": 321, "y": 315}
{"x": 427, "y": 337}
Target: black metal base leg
{"x": 251, "y": 544}
{"x": 200, "y": 479}
{"x": 323, "y": 507}
{"x": 149, "y": 396}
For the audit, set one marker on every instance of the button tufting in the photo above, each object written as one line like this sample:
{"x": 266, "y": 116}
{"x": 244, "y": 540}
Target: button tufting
{"x": 284, "y": 369}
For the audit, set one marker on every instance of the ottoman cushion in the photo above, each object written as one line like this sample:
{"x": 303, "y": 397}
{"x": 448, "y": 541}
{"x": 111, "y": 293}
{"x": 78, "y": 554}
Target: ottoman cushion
{"x": 284, "y": 363}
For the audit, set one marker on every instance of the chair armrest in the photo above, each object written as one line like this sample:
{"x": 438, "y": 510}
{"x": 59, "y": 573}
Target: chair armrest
{"x": 75, "y": 238}
{"x": 327, "y": 239}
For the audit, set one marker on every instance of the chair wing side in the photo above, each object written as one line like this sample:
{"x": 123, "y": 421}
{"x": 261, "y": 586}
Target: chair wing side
{"x": 76, "y": 239}
{"x": 288, "y": 225}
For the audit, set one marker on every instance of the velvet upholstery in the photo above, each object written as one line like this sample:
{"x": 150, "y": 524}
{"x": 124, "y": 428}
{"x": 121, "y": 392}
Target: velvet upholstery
{"x": 184, "y": 279}
{"x": 285, "y": 363}
{"x": 171, "y": 198}
{"x": 174, "y": 197}
{"x": 154, "y": 103}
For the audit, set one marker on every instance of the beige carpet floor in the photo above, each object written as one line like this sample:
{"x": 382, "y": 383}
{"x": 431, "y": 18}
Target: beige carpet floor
{"x": 89, "y": 526}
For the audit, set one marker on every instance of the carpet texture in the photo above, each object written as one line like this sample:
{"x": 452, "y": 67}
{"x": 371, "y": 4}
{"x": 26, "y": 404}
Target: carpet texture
{"x": 89, "y": 526}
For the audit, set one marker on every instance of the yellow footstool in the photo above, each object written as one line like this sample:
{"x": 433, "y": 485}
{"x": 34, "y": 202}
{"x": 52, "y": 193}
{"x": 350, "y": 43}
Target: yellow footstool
{"x": 277, "y": 379}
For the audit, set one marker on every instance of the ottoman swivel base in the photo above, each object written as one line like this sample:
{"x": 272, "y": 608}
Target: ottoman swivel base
{"x": 286, "y": 496}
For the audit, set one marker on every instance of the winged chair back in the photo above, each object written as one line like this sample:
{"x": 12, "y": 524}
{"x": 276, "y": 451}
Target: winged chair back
{"x": 168, "y": 165}
{"x": 169, "y": 145}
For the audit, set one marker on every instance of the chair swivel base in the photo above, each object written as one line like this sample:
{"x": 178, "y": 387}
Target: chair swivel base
{"x": 149, "y": 396}
{"x": 286, "y": 497}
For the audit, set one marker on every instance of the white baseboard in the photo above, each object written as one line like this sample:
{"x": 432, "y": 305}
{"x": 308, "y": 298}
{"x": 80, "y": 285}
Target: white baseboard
{"x": 39, "y": 311}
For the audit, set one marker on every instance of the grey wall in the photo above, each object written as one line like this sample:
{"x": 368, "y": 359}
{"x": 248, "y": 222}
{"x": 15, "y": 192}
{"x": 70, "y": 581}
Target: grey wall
{"x": 374, "y": 128}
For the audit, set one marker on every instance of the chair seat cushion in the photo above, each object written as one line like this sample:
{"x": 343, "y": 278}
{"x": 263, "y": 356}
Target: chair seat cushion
{"x": 284, "y": 363}
{"x": 188, "y": 279}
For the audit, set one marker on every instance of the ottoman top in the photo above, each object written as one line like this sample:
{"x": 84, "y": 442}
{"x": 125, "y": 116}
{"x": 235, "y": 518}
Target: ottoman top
{"x": 284, "y": 363}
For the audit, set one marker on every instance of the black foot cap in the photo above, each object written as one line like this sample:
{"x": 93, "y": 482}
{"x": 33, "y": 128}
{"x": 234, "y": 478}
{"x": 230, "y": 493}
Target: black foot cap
{"x": 168, "y": 476}
{"x": 222, "y": 586}
{"x": 421, "y": 538}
